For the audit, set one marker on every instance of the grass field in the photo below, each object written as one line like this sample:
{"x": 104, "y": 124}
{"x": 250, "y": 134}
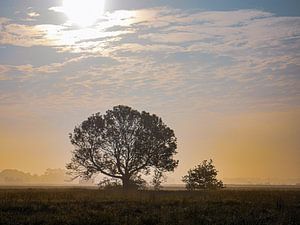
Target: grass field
{"x": 86, "y": 206}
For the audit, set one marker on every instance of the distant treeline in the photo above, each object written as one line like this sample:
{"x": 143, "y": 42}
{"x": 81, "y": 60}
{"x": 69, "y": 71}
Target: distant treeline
{"x": 16, "y": 177}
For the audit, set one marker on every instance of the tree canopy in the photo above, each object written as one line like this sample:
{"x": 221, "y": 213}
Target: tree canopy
{"x": 202, "y": 176}
{"x": 122, "y": 144}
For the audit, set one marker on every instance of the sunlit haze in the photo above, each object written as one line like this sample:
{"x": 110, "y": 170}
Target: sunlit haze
{"x": 83, "y": 12}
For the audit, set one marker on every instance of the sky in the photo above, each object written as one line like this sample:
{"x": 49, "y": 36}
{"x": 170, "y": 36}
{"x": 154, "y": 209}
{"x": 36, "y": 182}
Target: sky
{"x": 223, "y": 74}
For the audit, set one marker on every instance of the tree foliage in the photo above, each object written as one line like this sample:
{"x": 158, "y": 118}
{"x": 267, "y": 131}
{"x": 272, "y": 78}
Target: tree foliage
{"x": 202, "y": 176}
{"x": 122, "y": 144}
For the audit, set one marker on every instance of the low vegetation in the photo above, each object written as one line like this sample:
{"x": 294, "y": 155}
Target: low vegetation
{"x": 202, "y": 176}
{"x": 85, "y": 206}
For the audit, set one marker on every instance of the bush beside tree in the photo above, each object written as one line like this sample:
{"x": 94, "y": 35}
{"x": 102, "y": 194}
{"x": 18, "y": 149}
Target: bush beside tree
{"x": 202, "y": 176}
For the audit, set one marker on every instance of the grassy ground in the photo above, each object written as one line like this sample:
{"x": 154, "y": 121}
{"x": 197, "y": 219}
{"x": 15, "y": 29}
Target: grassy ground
{"x": 84, "y": 207}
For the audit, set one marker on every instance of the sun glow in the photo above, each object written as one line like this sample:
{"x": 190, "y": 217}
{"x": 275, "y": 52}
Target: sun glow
{"x": 83, "y": 12}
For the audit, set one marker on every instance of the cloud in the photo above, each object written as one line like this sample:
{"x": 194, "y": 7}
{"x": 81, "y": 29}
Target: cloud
{"x": 217, "y": 60}
{"x": 22, "y": 35}
{"x": 3, "y": 20}
{"x": 33, "y": 14}
{"x": 29, "y": 71}
{"x": 3, "y": 69}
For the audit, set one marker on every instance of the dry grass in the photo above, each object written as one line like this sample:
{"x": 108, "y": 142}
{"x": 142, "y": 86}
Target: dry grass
{"x": 84, "y": 206}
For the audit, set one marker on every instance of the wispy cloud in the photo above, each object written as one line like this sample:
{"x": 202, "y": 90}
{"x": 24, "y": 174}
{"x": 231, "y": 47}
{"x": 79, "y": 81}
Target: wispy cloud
{"x": 171, "y": 55}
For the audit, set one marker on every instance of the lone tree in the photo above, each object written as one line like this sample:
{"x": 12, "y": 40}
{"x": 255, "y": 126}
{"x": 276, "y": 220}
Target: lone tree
{"x": 122, "y": 144}
{"x": 202, "y": 176}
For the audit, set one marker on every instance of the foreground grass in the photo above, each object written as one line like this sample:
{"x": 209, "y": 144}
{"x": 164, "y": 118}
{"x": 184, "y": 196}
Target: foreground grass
{"x": 85, "y": 207}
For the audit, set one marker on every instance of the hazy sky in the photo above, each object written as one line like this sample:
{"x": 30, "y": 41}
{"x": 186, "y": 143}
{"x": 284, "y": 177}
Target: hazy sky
{"x": 224, "y": 74}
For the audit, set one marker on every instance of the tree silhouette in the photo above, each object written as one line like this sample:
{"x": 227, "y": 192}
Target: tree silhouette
{"x": 122, "y": 144}
{"x": 202, "y": 176}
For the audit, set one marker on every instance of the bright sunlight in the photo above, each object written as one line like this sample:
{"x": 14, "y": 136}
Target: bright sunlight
{"x": 83, "y": 12}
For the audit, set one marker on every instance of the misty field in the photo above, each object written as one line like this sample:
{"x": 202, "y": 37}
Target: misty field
{"x": 86, "y": 206}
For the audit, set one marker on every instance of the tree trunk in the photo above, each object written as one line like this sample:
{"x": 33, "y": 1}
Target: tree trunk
{"x": 127, "y": 184}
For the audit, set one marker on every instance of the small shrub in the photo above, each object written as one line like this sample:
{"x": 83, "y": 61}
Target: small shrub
{"x": 202, "y": 176}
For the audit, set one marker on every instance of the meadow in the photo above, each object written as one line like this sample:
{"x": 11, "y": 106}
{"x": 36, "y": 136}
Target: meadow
{"x": 86, "y": 207}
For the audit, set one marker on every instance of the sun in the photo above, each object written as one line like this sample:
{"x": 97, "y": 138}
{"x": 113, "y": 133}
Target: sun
{"x": 83, "y": 12}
